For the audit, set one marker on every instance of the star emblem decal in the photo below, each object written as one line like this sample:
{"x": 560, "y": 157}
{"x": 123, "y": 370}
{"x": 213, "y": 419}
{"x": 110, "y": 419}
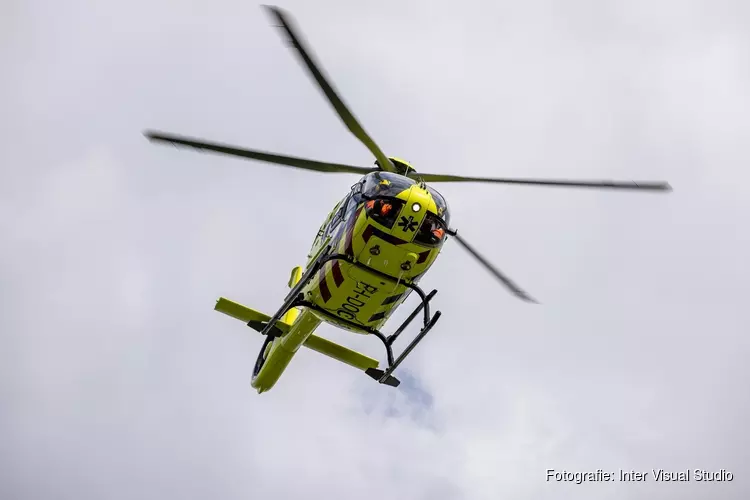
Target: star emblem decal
{"x": 408, "y": 224}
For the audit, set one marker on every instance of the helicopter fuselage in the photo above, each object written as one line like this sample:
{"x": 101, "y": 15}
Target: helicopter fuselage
{"x": 368, "y": 255}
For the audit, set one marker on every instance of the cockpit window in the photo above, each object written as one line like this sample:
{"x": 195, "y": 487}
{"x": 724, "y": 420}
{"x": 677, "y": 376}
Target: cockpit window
{"x": 432, "y": 231}
{"x": 387, "y": 184}
{"x": 442, "y": 206}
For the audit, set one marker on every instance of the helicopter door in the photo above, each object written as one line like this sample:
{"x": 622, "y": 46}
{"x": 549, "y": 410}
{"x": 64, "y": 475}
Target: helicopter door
{"x": 354, "y": 199}
{"x": 339, "y": 216}
{"x": 346, "y": 208}
{"x": 325, "y": 231}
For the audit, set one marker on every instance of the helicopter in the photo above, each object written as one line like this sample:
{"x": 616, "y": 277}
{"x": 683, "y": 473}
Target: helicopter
{"x": 371, "y": 251}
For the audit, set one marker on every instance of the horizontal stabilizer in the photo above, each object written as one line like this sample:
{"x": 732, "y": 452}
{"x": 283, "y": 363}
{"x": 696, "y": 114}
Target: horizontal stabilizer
{"x": 254, "y": 319}
{"x": 340, "y": 353}
{"x": 258, "y": 320}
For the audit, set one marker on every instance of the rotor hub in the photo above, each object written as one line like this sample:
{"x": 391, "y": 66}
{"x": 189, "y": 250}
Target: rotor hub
{"x": 402, "y": 167}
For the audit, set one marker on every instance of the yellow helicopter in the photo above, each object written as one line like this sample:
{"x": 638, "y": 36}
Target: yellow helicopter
{"x": 369, "y": 254}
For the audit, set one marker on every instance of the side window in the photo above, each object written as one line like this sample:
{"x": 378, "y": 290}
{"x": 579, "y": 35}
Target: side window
{"x": 351, "y": 206}
{"x": 346, "y": 208}
{"x": 339, "y": 215}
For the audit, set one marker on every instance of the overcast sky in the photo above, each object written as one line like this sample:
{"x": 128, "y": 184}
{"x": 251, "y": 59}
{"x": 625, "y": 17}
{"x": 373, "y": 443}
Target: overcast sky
{"x": 119, "y": 381}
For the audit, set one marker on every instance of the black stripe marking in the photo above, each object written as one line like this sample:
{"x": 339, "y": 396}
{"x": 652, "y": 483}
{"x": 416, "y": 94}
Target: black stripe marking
{"x": 392, "y": 299}
{"x": 377, "y": 316}
{"x": 388, "y": 238}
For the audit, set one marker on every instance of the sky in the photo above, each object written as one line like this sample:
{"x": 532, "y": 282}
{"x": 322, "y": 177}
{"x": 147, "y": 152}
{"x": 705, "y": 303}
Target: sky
{"x": 119, "y": 381}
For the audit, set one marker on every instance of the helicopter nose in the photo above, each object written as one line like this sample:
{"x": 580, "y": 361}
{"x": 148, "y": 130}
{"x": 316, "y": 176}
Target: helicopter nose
{"x": 412, "y": 214}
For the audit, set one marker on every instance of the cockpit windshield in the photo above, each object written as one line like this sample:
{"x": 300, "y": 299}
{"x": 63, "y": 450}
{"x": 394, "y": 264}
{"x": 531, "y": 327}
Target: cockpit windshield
{"x": 442, "y": 206}
{"x": 385, "y": 184}
{"x": 389, "y": 185}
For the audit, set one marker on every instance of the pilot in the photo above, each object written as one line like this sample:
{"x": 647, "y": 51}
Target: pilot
{"x": 431, "y": 231}
{"x": 381, "y": 207}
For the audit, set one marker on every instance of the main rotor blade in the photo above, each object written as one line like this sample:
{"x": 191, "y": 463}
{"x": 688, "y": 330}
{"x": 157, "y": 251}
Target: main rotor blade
{"x": 633, "y": 185}
{"x": 290, "y": 161}
{"x": 515, "y": 289}
{"x": 316, "y": 71}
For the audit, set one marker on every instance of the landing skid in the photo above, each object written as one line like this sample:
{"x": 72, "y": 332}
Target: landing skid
{"x": 295, "y": 298}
